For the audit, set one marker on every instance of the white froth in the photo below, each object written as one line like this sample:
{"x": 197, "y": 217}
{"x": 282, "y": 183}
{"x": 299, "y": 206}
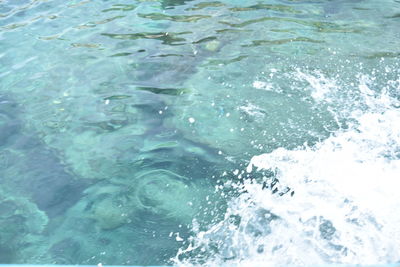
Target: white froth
{"x": 262, "y": 85}
{"x": 321, "y": 86}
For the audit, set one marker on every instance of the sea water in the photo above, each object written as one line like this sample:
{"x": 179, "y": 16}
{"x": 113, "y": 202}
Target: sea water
{"x": 155, "y": 132}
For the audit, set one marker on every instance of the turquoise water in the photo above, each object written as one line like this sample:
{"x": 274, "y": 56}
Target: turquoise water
{"x": 128, "y": 130}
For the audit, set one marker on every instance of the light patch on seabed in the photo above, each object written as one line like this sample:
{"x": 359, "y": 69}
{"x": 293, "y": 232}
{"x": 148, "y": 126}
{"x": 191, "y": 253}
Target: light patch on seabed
{"x": 344, "y": 207}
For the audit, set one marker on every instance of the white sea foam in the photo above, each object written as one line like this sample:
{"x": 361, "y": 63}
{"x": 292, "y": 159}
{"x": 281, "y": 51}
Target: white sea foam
{"x": 322, "y": 87}
{"x": 346, "y": 203}
{"x": 262, "y": 85}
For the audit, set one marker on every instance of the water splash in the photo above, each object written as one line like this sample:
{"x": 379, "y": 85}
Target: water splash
{"x": 334, "y": 202}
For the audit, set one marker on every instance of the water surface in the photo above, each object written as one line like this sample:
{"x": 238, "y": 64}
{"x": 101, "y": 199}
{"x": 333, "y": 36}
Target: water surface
{"x": 126, "y": 130}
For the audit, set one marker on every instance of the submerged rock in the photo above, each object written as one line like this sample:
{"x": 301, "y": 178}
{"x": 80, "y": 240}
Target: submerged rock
{"x": 166, "y": 195}
{"x": 111, "y": 210}
{"x": 21, "y": 224}
{"x": 213, "y": 45}
{"x": 19, "y": 209}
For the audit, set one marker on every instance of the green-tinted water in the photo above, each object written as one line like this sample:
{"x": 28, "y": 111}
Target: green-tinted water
{"x": 119, "y": 118}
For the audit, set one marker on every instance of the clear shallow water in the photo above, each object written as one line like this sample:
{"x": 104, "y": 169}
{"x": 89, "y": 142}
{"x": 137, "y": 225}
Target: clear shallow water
{"x": 127, "y": 129}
